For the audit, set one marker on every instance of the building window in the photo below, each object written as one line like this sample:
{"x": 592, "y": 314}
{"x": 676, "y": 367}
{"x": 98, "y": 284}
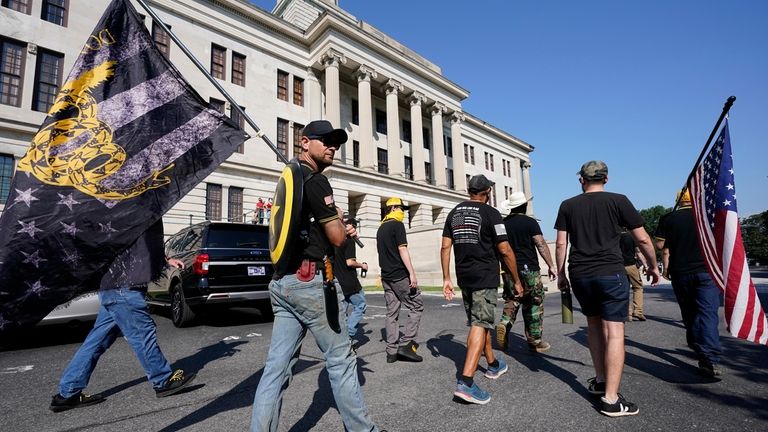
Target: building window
{"x": 493, "y": 198}
{"x": 449, "y": 178}
{"x": 217, "y": 105}
{"x": 509, "y": 169}
{"x": 282, "y": 85}
{"x": 235, "y": 204}
{"x": 466, "y": 153}
{"x": 239, "y": 120}
{"x": 472, "y": 155}
{"x": 504, "y": 167}
{"x": 298, "y": 91}
{"x": 6, "y": 174}
{"x": 218, "y": 62}
{"x": 491, "y": 157}
{"x": 447, "y": 146}
{"x": 11, "y": 67}
{"x": 55, "y": 11}
{"x": 408, "y": 166}
{"x": 425, "y": 136}
{"x": 161, "y": 38}
{"x": 297, "y": 139}
{"x": 22, "y": 6}
{"x": 383, "y": 162}
{"x": 428, "y": 172}
{"x": 381, "y": 122}
{"x": 356, "y": 153}
{"x": 486, "y": 159}
{"x": 213, "y": 201}
{"x": 47, "y": 79}
{"x": 238, "y": 69}
{"x": 282, "y": 137}
{"x": 406, "y": 131}
{"x": 355, "y": 112}
{"x": 466, "y": 179}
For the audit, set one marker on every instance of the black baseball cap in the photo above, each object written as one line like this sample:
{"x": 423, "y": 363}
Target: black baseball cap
{"x": 322, "y": 129}
{"x": 479, "y": 183}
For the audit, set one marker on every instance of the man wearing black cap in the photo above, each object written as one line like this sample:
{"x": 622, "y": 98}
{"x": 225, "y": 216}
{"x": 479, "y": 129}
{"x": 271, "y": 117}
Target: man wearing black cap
{"x": 592, "y": 222}
{"x": 297, "y": 294}
{"x": 477, "y": 234}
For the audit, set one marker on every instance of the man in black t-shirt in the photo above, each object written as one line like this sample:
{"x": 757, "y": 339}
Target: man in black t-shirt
{"x": 476, "y": 233}
{"x": 345, "y": 267}
{"x": 697, "y": 295}
{"x": 400, "y": 285}
{"x": 525, "y": 238}
{"x": 124, "y": 312}
{"x": 633, "y": 263}
{"x": 298, "y": 297}
{"x": 592, "y": 223}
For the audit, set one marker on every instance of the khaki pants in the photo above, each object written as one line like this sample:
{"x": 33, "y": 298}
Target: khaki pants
{"x": 636, "y": 290}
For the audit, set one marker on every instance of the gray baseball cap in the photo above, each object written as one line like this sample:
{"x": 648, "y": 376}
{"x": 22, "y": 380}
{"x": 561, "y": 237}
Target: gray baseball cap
{"x": 594, "y": 170}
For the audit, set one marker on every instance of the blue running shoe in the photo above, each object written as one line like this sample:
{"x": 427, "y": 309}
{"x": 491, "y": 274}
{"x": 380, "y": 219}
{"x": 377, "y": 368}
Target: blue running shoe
{"x": 495, "y": 372}
{"x": 472, "y": 394}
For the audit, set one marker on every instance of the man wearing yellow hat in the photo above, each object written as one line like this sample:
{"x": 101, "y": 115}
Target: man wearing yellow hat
{"x": 400, "y": 285}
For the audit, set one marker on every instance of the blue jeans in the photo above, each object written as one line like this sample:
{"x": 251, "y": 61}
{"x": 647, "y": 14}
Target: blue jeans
{"x": 122, "y": 312}
{"x": 699, "y": 301}
{"x": 298, "y": 307}
{"x": 357, "y": 301}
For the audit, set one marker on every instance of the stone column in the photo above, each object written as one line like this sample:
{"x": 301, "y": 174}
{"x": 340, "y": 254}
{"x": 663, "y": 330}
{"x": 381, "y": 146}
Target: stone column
{"x": 396, "y": 163}
{"x": 365, "y": 132}
{"x": 224, "y": 202}
{"x": 421, "y": 215}
{"x": 459, "y": 178}
{"x": 442, "y": 214}
{"x": 332, "y": 59}
{"x": 314, "y": 95}
{"x": 416, "y": 99}
{"x": 369, "y": 215}
{"x": 439, "y": 164}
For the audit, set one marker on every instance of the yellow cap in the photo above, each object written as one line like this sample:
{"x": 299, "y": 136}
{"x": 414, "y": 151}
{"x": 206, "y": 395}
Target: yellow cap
{"x": 394, "y": 201}
{"x": 686, "y": 198}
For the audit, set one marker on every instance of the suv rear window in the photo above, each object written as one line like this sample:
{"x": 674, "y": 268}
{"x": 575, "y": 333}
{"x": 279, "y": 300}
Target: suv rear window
{"x": 238, "y": 236}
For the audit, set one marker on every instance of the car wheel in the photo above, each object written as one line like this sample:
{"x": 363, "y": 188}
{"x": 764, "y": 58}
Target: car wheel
{"x": 181, "y": 314}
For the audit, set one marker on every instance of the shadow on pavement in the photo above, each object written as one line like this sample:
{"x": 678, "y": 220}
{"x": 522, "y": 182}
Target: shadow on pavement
{"x": 444, "y": 345}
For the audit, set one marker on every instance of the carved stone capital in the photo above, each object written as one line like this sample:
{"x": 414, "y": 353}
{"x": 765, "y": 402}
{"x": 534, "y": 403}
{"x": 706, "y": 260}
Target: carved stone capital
{"x": 365, "y": 73}
{"x": 393, "y": 86}
{"x": 333, "y": 58}
{"x": 526, "y": 164}
{"x": 438, "y": 109}
{"x": 417, "y": 98}
{"x": 458, "y": 117}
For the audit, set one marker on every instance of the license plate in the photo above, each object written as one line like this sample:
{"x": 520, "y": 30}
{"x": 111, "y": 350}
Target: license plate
{"x": 257, "y": 271}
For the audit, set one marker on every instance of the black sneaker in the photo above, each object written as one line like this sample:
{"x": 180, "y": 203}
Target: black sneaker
{"x": 620, "y": 408}
{"x": 175, "y": 383}
{"x": 594, "y": 387}
{"x": 408, "y": 352}
{"x": 391, "y": 358}
{"x": 59, "y": 403}
{"x": 709, "y": 369}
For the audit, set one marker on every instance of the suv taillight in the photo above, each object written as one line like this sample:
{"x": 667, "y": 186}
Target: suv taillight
{"x": 200, "y": 266}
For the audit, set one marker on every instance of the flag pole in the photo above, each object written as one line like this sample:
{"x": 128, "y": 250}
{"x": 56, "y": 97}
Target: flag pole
{"x": 726, "y": 108}
{"x": 213, "y": 81}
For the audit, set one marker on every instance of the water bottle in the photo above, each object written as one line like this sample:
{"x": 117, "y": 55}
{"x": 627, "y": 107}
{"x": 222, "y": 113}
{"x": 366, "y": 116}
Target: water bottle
{"x": 567, "y": 306}
{"x": 363, "y": 271}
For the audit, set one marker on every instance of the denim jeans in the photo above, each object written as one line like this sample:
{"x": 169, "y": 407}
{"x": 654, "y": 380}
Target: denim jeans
{"x": 298, "y": 307}
{"x": 699, "y": 301}
{"x": 122, "y": 312}
{"x": 358, "y": 304}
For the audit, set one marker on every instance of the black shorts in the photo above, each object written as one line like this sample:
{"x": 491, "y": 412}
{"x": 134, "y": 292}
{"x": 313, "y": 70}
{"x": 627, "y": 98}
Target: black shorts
{"x": 604, "y": 296}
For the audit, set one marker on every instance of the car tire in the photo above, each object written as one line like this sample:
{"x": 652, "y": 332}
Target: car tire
{"x": 181, "y": 314}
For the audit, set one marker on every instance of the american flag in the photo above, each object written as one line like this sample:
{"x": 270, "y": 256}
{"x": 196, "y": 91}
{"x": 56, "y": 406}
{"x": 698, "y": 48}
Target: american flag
{"x": 713, "y": 199}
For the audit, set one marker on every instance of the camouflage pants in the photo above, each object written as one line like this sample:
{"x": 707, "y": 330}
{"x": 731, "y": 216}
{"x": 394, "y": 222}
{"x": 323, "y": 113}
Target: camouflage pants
{"x": 532, "y": 303}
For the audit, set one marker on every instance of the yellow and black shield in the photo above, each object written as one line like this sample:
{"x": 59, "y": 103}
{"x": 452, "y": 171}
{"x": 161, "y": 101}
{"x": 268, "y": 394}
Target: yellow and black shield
{"x": 286, "y": 215}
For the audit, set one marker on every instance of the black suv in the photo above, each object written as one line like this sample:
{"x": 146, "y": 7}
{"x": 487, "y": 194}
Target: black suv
{"x": 225, "y": 263}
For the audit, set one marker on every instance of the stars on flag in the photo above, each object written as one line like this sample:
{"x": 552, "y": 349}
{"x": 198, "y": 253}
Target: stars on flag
{"x": 33, "y": 258}
{"x": 70, "y": 229}
{"x": 67, "y": 201}
{"x": 25, "y": 196}
{"x": 29, "y": 228}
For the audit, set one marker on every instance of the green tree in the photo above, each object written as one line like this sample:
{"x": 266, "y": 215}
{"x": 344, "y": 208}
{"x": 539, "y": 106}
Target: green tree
{"x": 652, "y": 215}
{"x": 754, "y": 233}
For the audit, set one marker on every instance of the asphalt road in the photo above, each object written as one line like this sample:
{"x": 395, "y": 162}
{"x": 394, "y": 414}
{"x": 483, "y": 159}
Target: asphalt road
{"x": 541, "y": 392}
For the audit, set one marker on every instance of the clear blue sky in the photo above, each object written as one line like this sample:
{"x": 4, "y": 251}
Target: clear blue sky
{"x": 637, "y": 84}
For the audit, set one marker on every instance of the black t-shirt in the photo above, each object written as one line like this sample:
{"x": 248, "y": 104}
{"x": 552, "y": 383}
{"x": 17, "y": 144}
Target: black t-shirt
{"x": 476, "y": 229}
{"x": 389, "y": 238}
{"x": 318, "y": 207}
{"x": 627, "y": 244}
{"x": 347, "y": 276}
{"x": 593, "y": 222}
{"x": 138, "y": 265}
{"x": 520, "y": 230}
{"x": 678, "y": 230}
